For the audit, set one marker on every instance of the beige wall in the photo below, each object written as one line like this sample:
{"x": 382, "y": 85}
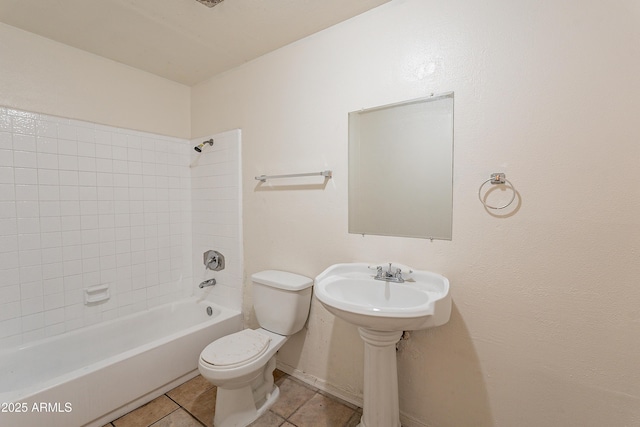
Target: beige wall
{"x": 40, "y": 75}
{"x": 545, "y": 327}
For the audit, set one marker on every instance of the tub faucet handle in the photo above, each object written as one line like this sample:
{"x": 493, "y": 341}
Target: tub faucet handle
{"x": 213, "y": 260}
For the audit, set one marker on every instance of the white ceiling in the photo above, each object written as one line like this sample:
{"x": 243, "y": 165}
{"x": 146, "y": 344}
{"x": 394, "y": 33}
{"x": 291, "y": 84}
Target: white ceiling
{"x": 181, "y": 40}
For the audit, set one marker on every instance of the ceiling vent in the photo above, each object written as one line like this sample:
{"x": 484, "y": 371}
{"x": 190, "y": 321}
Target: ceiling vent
{"x": 209, "y": 3}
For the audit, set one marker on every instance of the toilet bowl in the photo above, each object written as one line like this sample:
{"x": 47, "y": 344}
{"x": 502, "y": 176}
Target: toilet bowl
{"x": 241, "y": 365}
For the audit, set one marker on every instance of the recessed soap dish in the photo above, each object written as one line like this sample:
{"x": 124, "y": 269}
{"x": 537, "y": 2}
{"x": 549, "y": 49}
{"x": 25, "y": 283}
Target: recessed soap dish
{"x": 95, "y": 294}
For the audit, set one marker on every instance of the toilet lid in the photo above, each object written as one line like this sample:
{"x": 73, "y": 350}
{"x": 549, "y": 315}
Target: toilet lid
{"x": 235, "y": 349}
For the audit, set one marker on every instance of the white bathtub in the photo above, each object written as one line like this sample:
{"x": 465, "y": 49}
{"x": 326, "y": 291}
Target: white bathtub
{"x": 96, "y": 374}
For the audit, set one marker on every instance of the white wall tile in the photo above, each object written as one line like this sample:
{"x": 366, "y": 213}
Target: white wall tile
{"x": 31, "y": 290}
{"x": 26, "y": 192}
{"x": 51, "y": 288}
{"x": 7, "y": 175}
{"x": 51, "y": 330}
{"x": 220, "y": 200}
{"x": 47, "y": 145}
{"x": 10, "y": 294}
{"x": 30, "y": 258}
{"x": 8, "y": 244}
{"x": 7, "y": 192}
{"x": 66, "y": 131}
{"x": 67, "y": 147}
{"x": 26, "y": 159}
{"x": 9, "y": 327}
{"x": 89, "y": 222}
{"x": 106, "y": 207}
{"x": 48, "y": 177}
{"x": 49, "y": 208}
{"x": 104, "y": 151}
{"x": 103, "y": 136}
{"x": 24, "y": 142}
{"x": 47, "y": 161}
{"x": 55, "y": 316}
{"x": 69, "y": 207}
{"x": 5, "y": 141}
{"x": 6, "y": 158}
{"x": 68, "y": 162}
{"x": 8, "y": 226}
{"x": 27, "y": 208}
{"x": 67, "y": 177}
{"x": 53, "y": 270}
{"x": 69, "y": 193}
{"x": 86, "y": 164}
{"x": 49, "y": 192}
{"x": 81, "y": 204}
{"x": 85, "y": 134}
{"x": 31, "y": 305}
{"x": 50, "y": 223}
{"x": 51, "y": 240}
{"x": 86, "y": 149}
{"x": 29, "y": 241}
{"x": 28, "y": 225}
{"x": 46, "y": 129}
{"x": 8, "y": 209}
{"x": 10, "y": 310}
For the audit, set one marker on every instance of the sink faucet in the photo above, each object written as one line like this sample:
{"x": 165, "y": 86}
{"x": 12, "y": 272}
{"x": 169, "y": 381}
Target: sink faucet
{"x": 390, "y": 275}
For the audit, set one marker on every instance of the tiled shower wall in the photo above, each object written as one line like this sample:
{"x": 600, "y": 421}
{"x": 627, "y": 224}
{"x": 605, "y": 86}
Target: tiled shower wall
{"x": 217, "y": 215}
{"x": 81, "y": 205}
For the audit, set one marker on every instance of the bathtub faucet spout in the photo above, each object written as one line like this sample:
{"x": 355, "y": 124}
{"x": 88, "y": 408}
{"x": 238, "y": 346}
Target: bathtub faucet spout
{"x": 209, "y": 282}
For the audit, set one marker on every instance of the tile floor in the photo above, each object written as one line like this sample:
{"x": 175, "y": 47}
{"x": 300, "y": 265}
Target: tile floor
{"x": 192, "y": 405}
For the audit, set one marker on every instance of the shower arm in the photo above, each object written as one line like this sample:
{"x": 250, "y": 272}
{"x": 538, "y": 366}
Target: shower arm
{"x": 198, "y": 147}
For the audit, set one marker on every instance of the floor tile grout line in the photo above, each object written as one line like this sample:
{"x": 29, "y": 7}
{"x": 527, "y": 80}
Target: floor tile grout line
{"x": 185, "y": 409}
{"x": 300, "y": 407}
{"x": 194, "y": 417}
{"x": 174, "y": 401}
{"x": 158, "y": 420}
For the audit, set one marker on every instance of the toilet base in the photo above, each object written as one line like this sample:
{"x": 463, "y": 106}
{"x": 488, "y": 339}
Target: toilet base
{"x": 235, "y": 408}
{"x": 239, "y": 407}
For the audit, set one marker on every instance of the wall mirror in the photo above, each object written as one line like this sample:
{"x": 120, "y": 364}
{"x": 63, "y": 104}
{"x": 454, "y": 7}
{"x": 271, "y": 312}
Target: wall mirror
{"x": 401, "y": 169}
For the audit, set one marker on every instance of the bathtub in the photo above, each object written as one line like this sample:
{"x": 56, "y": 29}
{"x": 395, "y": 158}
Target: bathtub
{"x": 96, "y": 374}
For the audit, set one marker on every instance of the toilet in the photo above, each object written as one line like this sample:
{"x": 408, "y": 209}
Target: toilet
{"x": 241, "y": 365}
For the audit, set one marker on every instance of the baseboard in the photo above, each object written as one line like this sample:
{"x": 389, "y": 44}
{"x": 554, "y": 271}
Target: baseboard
{"x": 409, "y": 421}
{"x": 320, "y": 384}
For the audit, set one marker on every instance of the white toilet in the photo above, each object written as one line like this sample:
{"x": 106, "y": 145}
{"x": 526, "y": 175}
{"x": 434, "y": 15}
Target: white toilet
{"x": 241, "y": 365}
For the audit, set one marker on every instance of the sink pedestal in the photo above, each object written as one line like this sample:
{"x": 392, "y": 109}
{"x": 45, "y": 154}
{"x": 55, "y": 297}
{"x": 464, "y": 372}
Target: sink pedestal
{"x": 381, "y": 408}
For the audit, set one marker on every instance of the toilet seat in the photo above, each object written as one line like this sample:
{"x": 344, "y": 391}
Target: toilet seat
{"x": 235, "y": 350}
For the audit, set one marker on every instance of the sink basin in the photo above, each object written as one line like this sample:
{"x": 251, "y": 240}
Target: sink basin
{"x": 350, "y": 292}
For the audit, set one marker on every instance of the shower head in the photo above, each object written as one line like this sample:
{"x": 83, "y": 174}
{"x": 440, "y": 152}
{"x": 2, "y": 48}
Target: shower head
{"x": 209, "y": 3}
{"x": 198, "y": 147}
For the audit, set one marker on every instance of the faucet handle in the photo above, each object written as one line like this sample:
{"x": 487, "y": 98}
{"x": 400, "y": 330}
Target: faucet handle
{"x": 213, "y": 260}
{"x": 378, "y": 269}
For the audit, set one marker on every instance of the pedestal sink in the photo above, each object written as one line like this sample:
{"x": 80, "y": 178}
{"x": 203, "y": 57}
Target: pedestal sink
{"x": 383, "y": 301}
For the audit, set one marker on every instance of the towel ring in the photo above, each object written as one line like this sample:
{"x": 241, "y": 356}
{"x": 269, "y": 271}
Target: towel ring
{"x": 497, "y": 178}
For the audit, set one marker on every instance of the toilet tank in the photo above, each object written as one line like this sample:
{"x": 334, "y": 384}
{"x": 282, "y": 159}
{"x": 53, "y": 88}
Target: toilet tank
{"x": 281, "y": 300}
